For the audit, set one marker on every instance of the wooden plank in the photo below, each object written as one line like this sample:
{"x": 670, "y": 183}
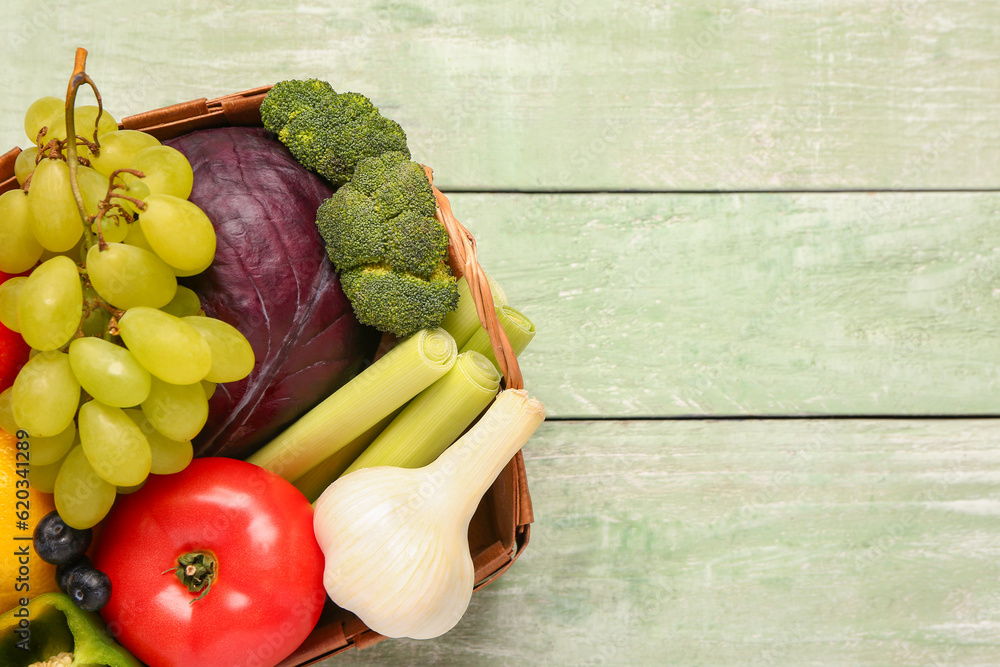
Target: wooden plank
{"x": 791, "y": 304}
{"x": 564, "y": 94}
{"x": 759, "y": 543}
{"x": 654, "y": 305}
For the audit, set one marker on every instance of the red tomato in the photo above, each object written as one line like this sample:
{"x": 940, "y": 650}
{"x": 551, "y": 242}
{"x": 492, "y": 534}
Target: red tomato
{"x": 13, "y": 351}
{"x": 268, "y": 592}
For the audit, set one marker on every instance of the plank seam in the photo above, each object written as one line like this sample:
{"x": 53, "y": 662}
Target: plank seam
{"x": 570, "y": 191}
{"x": 767, "y": 417}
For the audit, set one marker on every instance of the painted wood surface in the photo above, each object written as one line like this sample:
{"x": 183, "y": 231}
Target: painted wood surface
{"x": 567, "y": 94}
{"x": 757, "y": 543}
{"x": 730, "y": 304}
{"x": 684, "y": 542}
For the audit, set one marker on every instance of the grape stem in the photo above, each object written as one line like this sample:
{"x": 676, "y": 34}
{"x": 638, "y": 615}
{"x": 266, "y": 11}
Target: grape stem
{"x": 105, "y": 205}
{"x": 112, "y": 193}
{"x": 79, "y": 78}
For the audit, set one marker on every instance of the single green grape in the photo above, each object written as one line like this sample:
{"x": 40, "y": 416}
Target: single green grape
{"x": 126, "y": 490}
{"x": 184, "y": 303}
{"x": 45, "y": 394}
{"x": 167, "y": 171}
{"x": 82, "y": 497}
{"x": 136, "y": 238}
{"x": 43, "y": 478}
{"x": 108, "y": 372}
{"x": 46, "y": 451}
{"x": 50, "y": 304}
{"x": 114, "y": 445}
{"x": 232, "y": 356}
{"x": 19, "y": 249}
{"x": 169, "y": 456}
{"x": 126, "y": 276}
{"x": 55, "y": 219}
{"x": 40, "y": 114}
{"x": 167, "y": 346}
{"x": 179, "y": 232}
{"x": 7, "y": 421}
{"x": 93, "y": 187}
{"x": 114, "y": 228}
{"x": 95, "y": 319}
{"x": 119, "y": 149}
{"x": 181, "y": 273}
{"x": 177, "y": 411}
{"x": 24, "y": 164}
{"x": 76, "y": 253}
{"x": 10, "y": 291}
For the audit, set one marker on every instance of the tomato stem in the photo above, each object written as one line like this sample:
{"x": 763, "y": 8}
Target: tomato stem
{"x": 196, "y": 570}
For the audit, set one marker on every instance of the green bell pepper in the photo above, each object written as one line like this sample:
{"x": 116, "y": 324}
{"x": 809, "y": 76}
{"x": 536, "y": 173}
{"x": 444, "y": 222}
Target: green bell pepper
{"x": 51, "y": 624}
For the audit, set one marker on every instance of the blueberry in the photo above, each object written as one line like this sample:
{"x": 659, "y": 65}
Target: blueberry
{"x": 63, "y": 572}
{"x": 59, "y": 544}
{"x": 89, "y": 589}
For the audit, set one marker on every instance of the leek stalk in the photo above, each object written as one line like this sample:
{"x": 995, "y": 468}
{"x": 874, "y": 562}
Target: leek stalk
{"x": 519, "y": 329}
{"x": 434, "y": 419}
{"x": 314, "y": 482}
{"x": 388, "y": 384}
{"x": 463, "y": 322}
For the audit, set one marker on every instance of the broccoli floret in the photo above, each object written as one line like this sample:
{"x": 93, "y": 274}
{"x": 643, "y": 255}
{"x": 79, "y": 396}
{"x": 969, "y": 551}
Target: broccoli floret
{"x": 381, "y": 233}
{"x": 384, "y": 214}
{"x": 327, "y": 132}
{"x": 287, "y": 98}
{"x": 400, "y": 302}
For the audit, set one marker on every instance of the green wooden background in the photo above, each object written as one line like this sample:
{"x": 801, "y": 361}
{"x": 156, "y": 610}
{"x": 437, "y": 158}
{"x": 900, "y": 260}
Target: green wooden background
{"x": 760, "y": 242}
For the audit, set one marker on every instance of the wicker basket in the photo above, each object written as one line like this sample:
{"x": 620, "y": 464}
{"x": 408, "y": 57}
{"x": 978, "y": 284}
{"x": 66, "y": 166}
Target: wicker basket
{"x": 500, "y": 528}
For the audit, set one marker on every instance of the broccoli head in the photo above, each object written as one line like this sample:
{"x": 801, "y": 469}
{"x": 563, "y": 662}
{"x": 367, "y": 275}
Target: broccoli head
{"x": 329, "y": 132}
{"x": 381, "y": 233}
{"x": 379, "y": 226}
{"x": 384, "y": 214}
{"x": 399, "y": 302}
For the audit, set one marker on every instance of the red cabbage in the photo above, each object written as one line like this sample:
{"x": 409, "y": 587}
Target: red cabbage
{"x": 272, "y": 280}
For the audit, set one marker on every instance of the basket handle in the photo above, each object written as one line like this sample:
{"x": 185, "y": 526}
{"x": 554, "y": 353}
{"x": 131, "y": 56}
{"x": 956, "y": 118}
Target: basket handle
{"x": 464, "y": 262}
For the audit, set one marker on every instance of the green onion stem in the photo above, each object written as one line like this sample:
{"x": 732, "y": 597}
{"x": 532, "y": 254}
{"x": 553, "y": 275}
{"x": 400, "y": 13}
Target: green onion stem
{"x": 388, "y": 384}
{"x": 519, "y": 329}
{"x": 433, "y": 420}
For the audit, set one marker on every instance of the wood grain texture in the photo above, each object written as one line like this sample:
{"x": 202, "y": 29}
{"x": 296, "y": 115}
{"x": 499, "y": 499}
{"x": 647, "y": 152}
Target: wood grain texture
{"x": 779, "y": 304}
{"x": 571, "y": 94}
{"x": 830, "y": 542}
{"x": 756, "y": 543}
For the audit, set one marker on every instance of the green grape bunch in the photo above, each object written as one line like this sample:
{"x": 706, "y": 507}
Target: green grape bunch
{"x": 123, "y": 360}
